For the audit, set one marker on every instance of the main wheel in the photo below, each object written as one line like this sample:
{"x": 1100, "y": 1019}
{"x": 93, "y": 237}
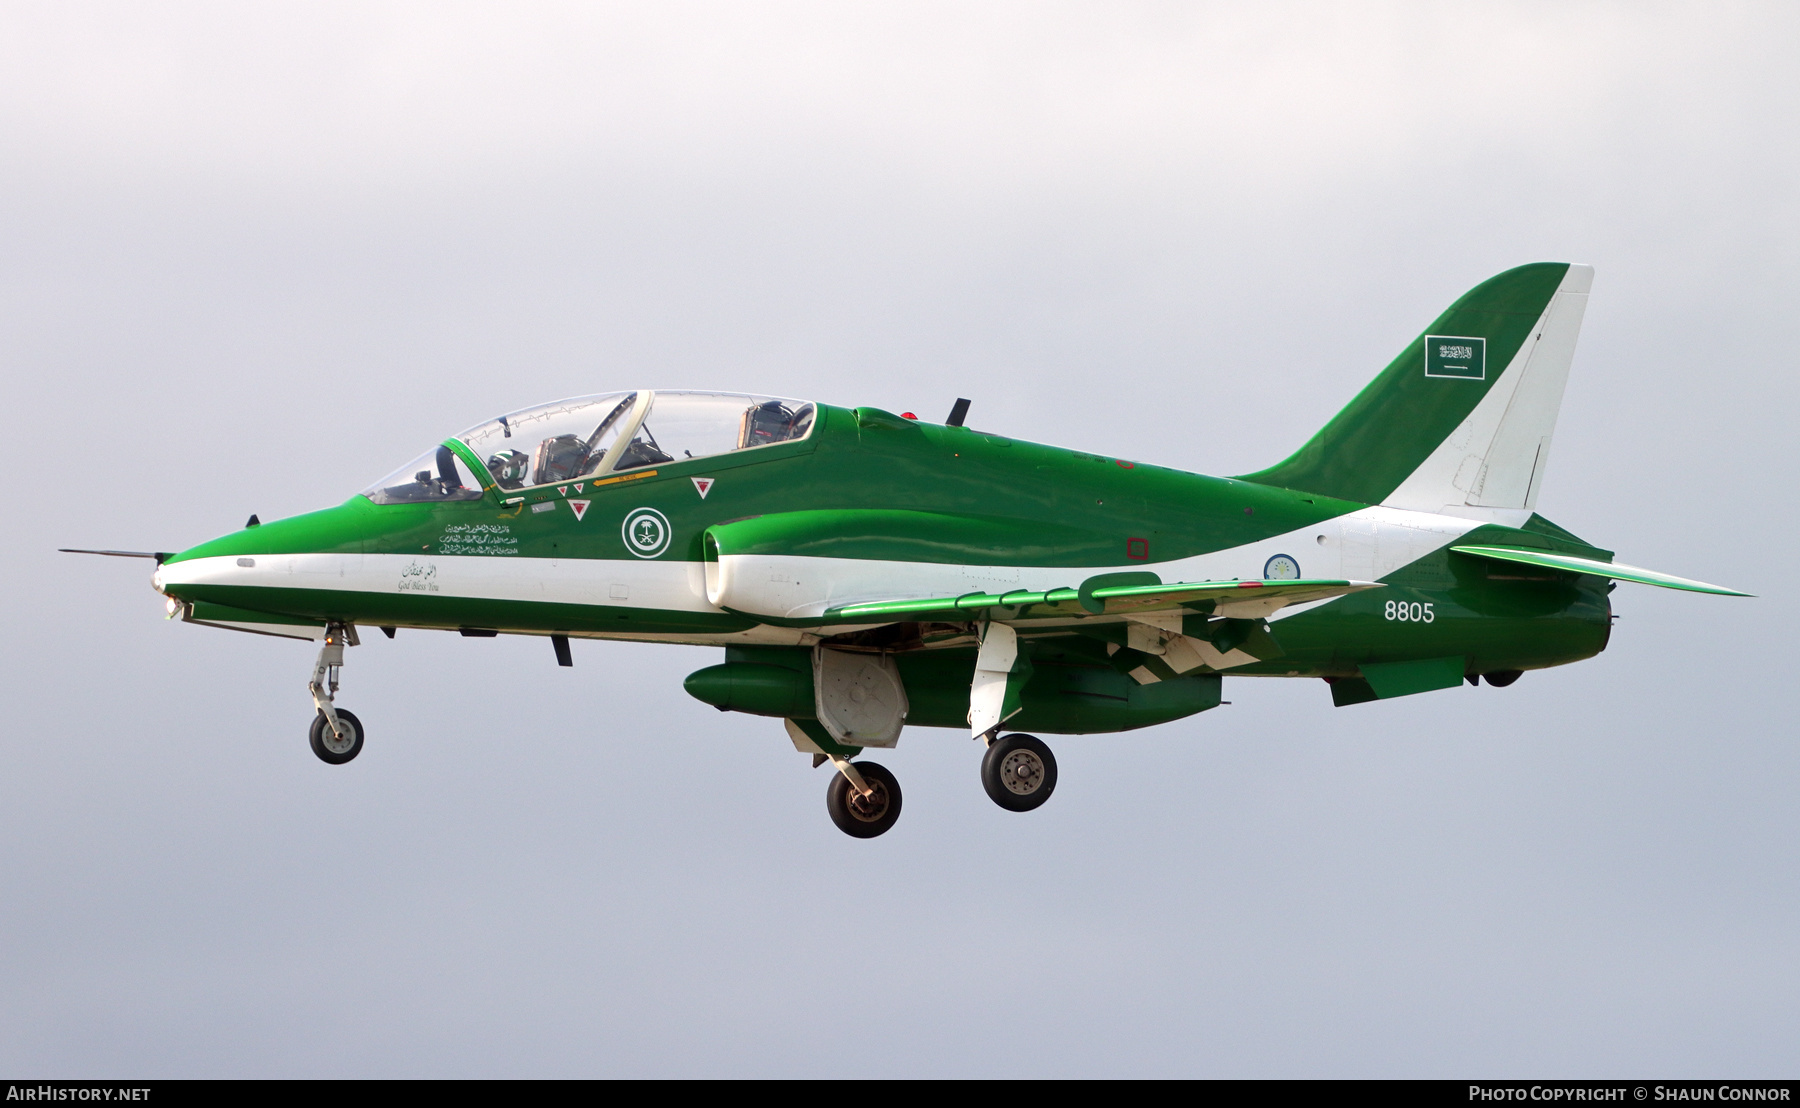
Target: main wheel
{"x": 859, "y": 816}
{"x": 1502, "y": 677}
{"x": 1019, "y": 773}
{"x": 329, "y": 746}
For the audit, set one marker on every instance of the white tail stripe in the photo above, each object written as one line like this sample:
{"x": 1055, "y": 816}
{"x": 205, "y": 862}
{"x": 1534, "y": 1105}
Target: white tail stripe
{"x": 1496, "y": 458}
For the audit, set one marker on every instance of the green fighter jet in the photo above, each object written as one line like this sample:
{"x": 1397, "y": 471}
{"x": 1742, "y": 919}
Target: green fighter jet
{"x": 863, "y": 571}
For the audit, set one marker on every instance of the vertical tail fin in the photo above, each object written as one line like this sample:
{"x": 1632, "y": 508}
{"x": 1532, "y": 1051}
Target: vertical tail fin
{"x": 1463, "y": 418}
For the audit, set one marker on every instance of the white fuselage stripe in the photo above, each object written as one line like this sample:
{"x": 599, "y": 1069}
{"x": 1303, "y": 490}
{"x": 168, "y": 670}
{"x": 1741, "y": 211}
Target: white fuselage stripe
{"x": 1365, "y": 545}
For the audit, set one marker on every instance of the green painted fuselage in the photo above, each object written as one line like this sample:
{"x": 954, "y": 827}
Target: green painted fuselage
{"x": 866, "y": 488}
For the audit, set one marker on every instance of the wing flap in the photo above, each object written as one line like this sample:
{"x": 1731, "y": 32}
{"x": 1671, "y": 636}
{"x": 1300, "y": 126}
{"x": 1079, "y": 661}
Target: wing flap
{"x": 1569, "y": 563}
{"x": 1244, "y": 599}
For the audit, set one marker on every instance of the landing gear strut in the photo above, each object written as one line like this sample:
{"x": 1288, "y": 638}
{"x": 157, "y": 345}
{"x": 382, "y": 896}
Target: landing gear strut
{"x": 337, "y": 736}
{"x": 1018, "y": 772}
{"x": 863, "y": 798}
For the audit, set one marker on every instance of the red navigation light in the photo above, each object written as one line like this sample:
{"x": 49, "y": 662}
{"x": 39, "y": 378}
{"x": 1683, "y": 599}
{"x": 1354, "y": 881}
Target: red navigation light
{"x": 908, "y": 415}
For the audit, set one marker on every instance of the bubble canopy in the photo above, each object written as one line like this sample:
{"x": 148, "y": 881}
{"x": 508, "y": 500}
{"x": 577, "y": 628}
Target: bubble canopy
{"x": 592, "y": 436}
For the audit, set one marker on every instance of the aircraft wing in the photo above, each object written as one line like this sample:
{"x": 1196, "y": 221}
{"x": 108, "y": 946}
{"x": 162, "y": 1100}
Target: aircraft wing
{"x": 1569, "y": 563}
{"x": 1240, "y": 599}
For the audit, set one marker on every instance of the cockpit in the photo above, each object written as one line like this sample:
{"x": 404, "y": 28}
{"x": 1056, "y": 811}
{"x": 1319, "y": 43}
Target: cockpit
{"x": 590, "y": 437}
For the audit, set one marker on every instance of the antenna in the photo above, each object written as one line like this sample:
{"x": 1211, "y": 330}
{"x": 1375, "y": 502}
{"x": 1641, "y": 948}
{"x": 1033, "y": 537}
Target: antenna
{"x": 958, "y": 413}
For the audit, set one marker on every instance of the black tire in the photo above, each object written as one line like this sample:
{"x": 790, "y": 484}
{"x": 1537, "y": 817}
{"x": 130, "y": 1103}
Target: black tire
{"x": 1019, "y": 773}
{"x": 324, "y": 740}
{"x": 859, "y": 818}
{"x": 1502, "y": 678}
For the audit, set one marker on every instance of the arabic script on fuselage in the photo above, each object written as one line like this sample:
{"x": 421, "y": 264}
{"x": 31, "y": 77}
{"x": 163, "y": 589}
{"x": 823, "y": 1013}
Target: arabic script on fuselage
{"x": 419, "y": 577}
{"x": 478, "y": 538}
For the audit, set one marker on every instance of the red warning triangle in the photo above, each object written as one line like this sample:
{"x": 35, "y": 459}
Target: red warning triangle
{"x": 579, "y": 507}
{"x": 702, "y": 485}
{"x": 578, "y": 486}
{"x": 564, "y": 489}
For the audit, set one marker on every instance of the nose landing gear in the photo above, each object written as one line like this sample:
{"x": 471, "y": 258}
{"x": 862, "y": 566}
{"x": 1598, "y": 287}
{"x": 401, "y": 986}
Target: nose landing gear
{"x": 336, "y": 735}
{"x": 335, "y": 747}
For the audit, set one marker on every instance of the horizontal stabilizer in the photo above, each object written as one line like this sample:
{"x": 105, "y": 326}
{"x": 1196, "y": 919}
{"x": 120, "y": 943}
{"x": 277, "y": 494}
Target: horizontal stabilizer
{"x": 1236, "y": 599}
{"x": 1571, "y": 564}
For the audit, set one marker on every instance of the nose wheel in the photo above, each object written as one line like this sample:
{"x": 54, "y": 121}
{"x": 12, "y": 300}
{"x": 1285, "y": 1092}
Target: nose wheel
{"x": 866, "y": 806}
{"x": 337, "y": 735}
{"x": 335, "y": 746}
{"x": 1019, "y": 773}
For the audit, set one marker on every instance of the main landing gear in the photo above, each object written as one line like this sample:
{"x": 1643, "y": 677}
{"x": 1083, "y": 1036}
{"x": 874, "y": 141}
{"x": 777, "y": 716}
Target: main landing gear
{"x": 337, "y": 735}
{"x": 863, "y": 798}
{"x": 1018, "y": 772}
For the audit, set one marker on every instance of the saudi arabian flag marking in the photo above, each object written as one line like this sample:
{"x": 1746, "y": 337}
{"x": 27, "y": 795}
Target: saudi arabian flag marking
{"x": 1452, "y": 356}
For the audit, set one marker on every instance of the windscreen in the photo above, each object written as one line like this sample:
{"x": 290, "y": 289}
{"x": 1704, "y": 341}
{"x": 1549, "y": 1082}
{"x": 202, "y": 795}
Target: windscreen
{"x": 435, "y": 476}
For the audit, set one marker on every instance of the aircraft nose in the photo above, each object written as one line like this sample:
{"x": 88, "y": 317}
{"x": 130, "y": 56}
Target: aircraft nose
{"x": 222, "y": 562}
{"x": 265, "y": 555}
{"x": 196, "y": 578}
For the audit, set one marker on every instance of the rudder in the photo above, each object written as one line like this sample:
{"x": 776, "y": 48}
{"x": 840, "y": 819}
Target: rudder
{"x": 1463, "y": 418}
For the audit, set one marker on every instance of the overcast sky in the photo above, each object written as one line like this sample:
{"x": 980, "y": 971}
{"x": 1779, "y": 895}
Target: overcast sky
{"x": 252, "y": 257}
